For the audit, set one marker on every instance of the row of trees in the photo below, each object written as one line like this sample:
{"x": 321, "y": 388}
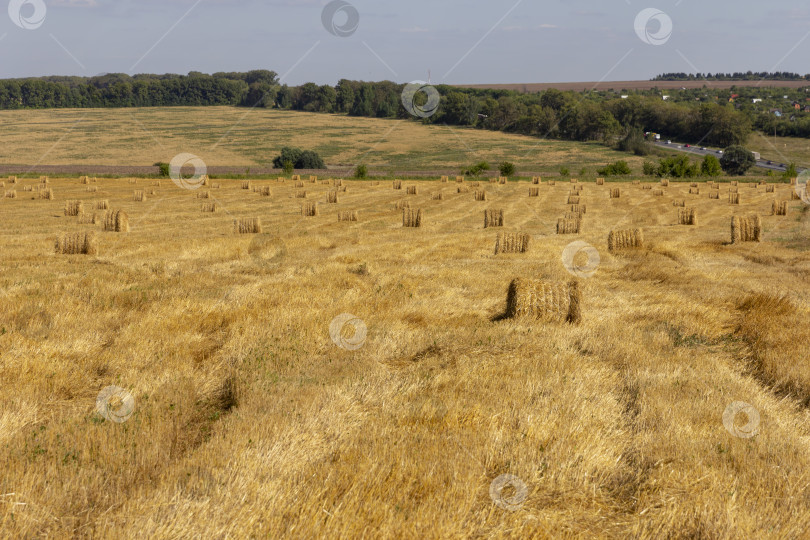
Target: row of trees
{"x": 552, "y": 114}
{"x": 737, "y": 76}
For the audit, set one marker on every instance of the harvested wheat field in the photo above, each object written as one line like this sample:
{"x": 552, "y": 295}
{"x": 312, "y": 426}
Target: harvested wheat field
{"x": 323, "y": 378}
{"x": 225, "y": 137}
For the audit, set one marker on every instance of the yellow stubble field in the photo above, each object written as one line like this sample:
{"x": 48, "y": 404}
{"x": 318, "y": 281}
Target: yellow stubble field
{"x": 247, "y": 407}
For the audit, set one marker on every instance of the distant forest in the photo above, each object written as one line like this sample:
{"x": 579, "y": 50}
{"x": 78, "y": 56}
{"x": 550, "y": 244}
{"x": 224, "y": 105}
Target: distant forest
{"x": 748, "y": 76}
{"x": 700, "y": 115}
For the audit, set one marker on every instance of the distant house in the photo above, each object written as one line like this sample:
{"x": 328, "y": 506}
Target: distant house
{"x": 665, "y": 97}
{"x": 756, "y": 100}
{"x": 625, "y": 96}
{"x": 777, "y": 113}
{"x": 797, "y": 105}
{"x": 807, "y": 108}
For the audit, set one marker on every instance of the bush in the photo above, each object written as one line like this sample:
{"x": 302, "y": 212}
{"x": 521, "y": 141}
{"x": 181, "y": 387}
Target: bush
{"x": 164, "y": 168}
{"x": 288, "y": 167}
{"x": 711, "y": 166}
{"x": 635, "y": 143}
{"x": 301, "y": 159}
{"x": 310, "y": 160}
{"x": 619, "y": 168}
{"x": 791, "y": 171}
{"x": 361, "y": 172}
{"x": 287, "y": 154}
{"x": 737, "y": 160}
{"x": 477, "y": 169}
{"x": 507, "y": 169}
{"x": 564, "y": 171}
{"x": 678, "y": 167}
{"x": 649, "y": 168}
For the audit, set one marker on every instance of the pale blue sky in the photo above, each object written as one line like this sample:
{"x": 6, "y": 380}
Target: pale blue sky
{"x": 550, "y": 41}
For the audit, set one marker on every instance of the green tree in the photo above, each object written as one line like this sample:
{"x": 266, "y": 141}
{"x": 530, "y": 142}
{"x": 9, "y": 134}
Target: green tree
{"x": 737, "y": 160}
{"x": 477, "y": 169}
{"x": 711, "y": 166}
{"x": 459, "y": 109}
{"x": 649, "y": 168}
{"x": 310, "y": 160}
{"x": 363, "y": 102}
{"x": 507, "y": 169}
{"x": 724, "y": 125}
{"x": 301, "y": 159}
{"x": 791, "y": 171}
{"x": 287, "y": 154}
{"x": 635, "y": 143}
{"x": 678, "y": 167}
{"x": 620, "y": 168}
{"x": 361, "y": 172}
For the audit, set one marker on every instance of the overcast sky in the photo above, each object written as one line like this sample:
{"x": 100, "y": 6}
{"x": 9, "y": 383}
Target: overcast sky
{"x": 460, "y": 41}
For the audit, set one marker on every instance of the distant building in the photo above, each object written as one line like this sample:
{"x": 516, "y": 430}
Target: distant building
{"x": 666, "y": 98}
{"x": 756, "y": 100}
{"x": 625, "y": 96}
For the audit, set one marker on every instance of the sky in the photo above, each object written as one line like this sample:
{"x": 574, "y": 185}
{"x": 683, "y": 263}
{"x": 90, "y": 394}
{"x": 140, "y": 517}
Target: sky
{"x": 458, "y": 41}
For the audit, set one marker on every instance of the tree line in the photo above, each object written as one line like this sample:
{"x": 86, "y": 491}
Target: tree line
{"x": 737, "y": 76}
{"x": 595, "y": 116}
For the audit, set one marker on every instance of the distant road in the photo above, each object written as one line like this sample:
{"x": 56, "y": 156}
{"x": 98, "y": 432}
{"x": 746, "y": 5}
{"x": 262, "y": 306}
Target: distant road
{"x": 691, "y": 149}
{"x": 635, "y": 85}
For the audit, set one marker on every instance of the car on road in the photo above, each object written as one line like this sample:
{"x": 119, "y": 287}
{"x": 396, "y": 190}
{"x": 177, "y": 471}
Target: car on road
{"x": 704, "y": 148}
{"x": 669, "y": 142}
{"x": 688, "y": 146}
{"x": 719, "y": 151}
{"x": 781, "y": 164}
{"x": 770, "y": 162}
